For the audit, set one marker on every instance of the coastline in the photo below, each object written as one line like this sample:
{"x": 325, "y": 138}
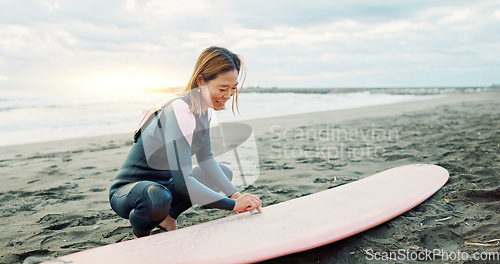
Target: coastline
{"x": 386, "y": 90}
{"x": 55, "y": 197}
{"x": 32, "y": 120}
{"x": 376, "y": 90}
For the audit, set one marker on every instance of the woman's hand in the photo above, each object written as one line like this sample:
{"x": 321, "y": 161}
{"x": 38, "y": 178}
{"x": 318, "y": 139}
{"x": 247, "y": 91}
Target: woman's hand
{"x": 235, "y": 195}
{"x": 247, "y": 203}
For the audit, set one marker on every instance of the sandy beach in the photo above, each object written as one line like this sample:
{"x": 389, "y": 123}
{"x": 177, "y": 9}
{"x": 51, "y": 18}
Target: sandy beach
{"x": 54, "y": 196}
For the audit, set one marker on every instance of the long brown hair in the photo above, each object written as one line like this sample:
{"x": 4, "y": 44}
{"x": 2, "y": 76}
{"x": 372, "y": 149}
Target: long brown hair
{"x": 212, "y": 62}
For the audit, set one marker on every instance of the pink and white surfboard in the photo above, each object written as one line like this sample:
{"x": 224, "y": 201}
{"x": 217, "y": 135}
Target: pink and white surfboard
{"x": 292, "y": 226}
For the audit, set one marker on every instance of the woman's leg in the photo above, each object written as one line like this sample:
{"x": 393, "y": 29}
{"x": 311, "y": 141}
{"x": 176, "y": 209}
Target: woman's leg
{"x": 200, "y": 176}
{"x": 144, "y": 203}
{"x": 180, "y": 204}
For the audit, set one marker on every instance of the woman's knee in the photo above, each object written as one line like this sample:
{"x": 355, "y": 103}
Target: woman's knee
{"x": 227, "y": 171}
{"x": 151, "y": 208}
{"x": 199, "y": 174}
{"x": 160, "y": 200}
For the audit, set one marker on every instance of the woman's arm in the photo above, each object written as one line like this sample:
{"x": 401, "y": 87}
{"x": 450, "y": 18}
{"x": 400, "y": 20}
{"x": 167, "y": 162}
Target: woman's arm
{"x": 244, "y": 202}
{"x": 178, "y": 152}
{"x": 212, "y": 170}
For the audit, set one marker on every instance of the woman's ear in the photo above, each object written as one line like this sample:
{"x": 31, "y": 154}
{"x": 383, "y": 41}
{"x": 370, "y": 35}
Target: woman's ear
{"x": 200, "y": 81}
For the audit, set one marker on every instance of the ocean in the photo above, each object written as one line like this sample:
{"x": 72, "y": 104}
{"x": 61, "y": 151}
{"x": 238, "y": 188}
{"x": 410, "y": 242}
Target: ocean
{"x": 29, "y": 118}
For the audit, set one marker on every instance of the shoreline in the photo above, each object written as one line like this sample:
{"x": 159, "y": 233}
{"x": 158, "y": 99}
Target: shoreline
{"x": 121, "y": 122}
{"x": 452, "y": 97}
{"x": 367, "y": 112}
{"x": 55, "y": 197}
{"x": 376, "y": 90}
{"x": 387, "y": 90}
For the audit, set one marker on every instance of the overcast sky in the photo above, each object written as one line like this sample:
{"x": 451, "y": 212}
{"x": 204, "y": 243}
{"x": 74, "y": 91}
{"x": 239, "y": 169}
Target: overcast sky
{"x": 132, "y": 44}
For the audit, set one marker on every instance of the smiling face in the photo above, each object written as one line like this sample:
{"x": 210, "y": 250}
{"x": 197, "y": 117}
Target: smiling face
{"x": 218, "y": 91}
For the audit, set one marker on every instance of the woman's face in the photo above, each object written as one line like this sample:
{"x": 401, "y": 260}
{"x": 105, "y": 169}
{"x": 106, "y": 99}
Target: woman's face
{"x": 219, "y": 90}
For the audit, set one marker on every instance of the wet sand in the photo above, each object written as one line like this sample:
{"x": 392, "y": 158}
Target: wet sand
{"x": 54, "y": 196}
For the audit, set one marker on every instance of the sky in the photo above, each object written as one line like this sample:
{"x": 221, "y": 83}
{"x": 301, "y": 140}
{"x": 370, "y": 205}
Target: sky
{"x": 90, "y": 45}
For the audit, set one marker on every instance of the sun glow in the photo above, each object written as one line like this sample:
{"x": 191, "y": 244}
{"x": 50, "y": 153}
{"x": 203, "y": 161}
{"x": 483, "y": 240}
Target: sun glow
{"x": 129, "y": 83}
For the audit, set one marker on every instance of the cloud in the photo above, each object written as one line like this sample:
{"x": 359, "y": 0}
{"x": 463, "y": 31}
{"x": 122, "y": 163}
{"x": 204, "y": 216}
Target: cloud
{"x": 4, "y": 78}
{"x": 325, "y": 43}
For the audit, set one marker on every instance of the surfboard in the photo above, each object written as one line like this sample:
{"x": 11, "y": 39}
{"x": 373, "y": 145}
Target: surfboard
{"x": 285, "y": 228}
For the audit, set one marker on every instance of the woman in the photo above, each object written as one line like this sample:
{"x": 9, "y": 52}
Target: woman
{"x": 157, "y": 183}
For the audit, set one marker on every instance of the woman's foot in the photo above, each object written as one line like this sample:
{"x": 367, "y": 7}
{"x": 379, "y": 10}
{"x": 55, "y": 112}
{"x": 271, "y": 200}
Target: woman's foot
{"x": 135, "y": 236}
{"x": 168, "y": 224}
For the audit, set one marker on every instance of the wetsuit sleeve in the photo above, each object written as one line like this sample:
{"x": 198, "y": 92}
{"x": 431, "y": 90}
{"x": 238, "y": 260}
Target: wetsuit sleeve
{"x": 178, "y": 153}
{"x": 211, "y": 168}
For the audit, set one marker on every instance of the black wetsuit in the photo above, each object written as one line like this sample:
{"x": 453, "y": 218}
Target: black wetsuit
{"x": 157, "y": 179}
